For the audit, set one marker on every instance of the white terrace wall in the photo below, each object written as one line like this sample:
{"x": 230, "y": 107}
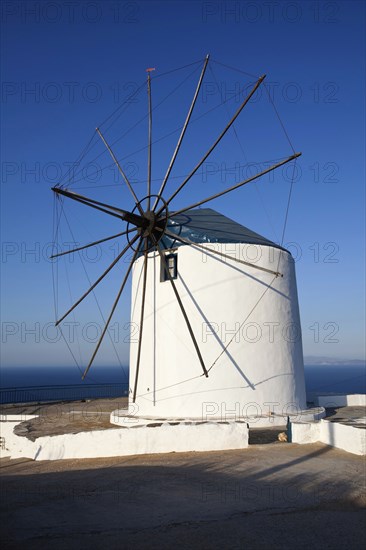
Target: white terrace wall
{"x": 343, "y": 436}
{"x": 352, "y": 400}
{"x": 134, "y": 439}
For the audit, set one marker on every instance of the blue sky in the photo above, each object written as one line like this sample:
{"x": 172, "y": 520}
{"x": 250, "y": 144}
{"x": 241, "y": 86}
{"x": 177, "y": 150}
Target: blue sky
{"x": 67, "y": 66}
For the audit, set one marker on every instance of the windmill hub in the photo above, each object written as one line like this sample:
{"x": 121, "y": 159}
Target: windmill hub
{"x": 148, "y": 222}
{"x": 153, "y": 219}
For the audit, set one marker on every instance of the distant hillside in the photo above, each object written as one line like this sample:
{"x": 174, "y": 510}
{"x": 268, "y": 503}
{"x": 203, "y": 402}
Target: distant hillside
{"x": 314, "y": 360}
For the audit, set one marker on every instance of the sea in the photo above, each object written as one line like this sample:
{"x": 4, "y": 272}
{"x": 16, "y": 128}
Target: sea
{"x": 29, "y": 384}
{"x": 334, "y": 379}
{"x": 24, "y": 384}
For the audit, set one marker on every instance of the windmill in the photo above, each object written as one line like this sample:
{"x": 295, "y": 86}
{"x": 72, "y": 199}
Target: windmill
{"x": 182, "y": 281}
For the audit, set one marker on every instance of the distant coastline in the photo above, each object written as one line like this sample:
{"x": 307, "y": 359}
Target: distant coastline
{"x": 309, "y": 360}
{"x": 315, "y": 360}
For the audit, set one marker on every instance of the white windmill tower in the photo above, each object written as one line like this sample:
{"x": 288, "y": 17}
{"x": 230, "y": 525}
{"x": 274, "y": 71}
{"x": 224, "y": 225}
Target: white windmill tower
{"x": 219, "y": 332}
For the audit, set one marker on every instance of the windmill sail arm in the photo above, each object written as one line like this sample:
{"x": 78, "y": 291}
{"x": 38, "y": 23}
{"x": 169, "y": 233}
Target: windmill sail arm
{"x": 183, "y": 129}
{"x": 237, "y": 185}
{"x": 106, "y": 208}
{"x": 190, "y": 330}
{"x": 121, "y": 171}
{"x": 93, "y": 243}
{"x": 217, "y": 141}
{"x": 142, "y": 316}
{"x": 127, "y": 247}
{"x": 111, "y": 313}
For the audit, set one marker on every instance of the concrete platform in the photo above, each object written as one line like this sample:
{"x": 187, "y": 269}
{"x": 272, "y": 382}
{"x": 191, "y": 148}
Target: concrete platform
{"x": 350, "y": 416}
{"x": 264, "y": 497}
{"x": 122, "y": 418}
{"x": 97, "y": 428}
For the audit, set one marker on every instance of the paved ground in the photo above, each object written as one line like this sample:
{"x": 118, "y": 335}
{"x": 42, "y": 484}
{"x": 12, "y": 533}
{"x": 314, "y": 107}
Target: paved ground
{"x": 266, "y": 497}
{"x": 273, "y": 495}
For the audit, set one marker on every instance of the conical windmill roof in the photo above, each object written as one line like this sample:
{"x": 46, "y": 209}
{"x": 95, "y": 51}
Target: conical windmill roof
{"x": 204, "y": 225}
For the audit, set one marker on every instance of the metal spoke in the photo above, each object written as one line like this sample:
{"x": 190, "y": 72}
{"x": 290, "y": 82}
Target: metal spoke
{"x": 121, "y": 171}
{"x": 111, "y": 313}
{"x": 183, "y": 132}
{"x": 149, "y": 143}
{"x": 94, "y": 243}
{"x": 240, "y": 184}
{"x": 230, "y": 123}
{"x": 98, "y": 280}
{"x": 141, "y": 321}
{"x": 209, "y": 251}
{"x": 113, "y": 210}
{"x": 162, "y": 256}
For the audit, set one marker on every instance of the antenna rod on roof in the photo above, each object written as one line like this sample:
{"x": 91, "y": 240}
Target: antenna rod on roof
{"x": 150, "y": 136}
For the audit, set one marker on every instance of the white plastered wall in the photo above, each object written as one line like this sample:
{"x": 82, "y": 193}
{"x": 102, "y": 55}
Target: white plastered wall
{"x": 261, "y": 369}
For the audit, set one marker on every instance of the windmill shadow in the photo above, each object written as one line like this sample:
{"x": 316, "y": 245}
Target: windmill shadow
{"x": 250, "y": 384}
